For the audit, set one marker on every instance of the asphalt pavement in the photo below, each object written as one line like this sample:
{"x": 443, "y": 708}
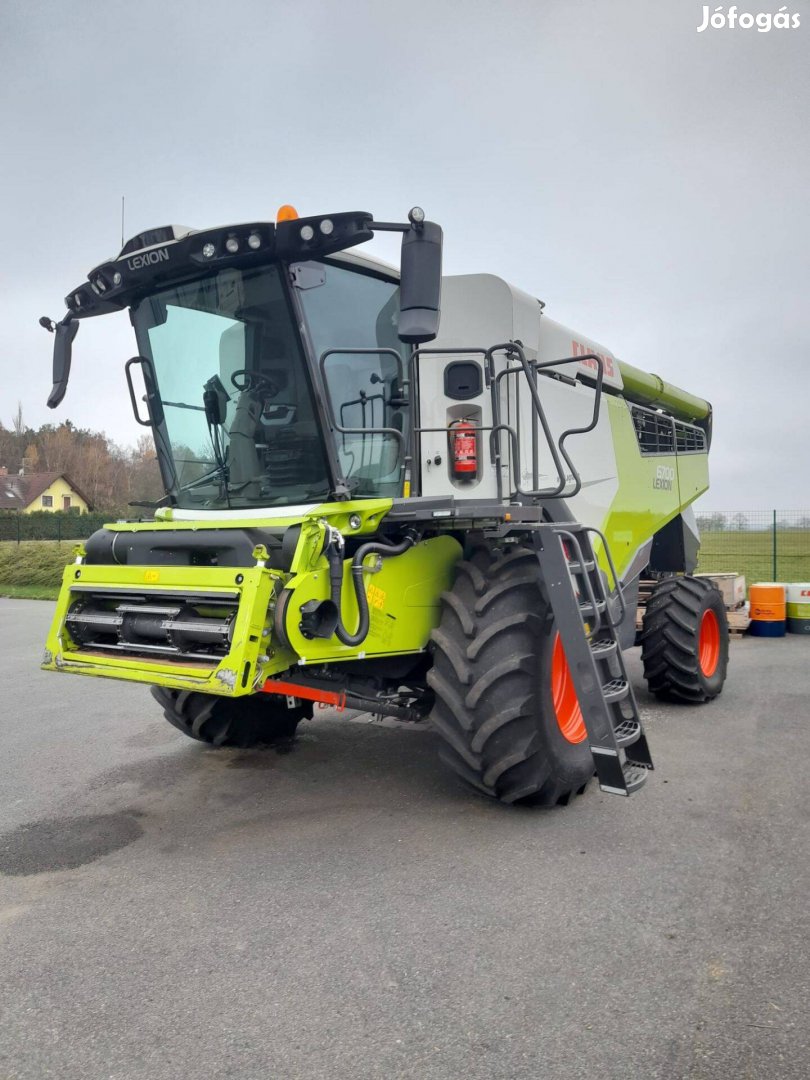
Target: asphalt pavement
{"x": 346, "y": 910}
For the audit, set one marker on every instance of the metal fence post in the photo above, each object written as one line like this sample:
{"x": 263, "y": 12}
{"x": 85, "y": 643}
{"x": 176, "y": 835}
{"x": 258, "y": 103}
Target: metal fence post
{"x": 774, "y": 547}
{"x": 18, "y": 527}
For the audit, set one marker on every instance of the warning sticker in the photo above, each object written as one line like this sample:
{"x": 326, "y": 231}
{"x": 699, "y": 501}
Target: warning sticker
{"x": 380, "y": 626}
{"x": 376, "y": 597}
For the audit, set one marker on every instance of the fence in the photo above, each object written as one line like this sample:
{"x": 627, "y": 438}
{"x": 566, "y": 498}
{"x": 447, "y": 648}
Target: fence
{"x": 766, "y": 545}
{"x": 47, "y": 525}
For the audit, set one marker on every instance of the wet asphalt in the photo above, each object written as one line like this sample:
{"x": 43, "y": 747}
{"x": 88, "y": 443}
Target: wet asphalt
{"x": 345, "y": 910}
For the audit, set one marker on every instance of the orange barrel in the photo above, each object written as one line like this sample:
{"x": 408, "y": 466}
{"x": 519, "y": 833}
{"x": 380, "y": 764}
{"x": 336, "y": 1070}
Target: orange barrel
{"x": 768, "y": 609}
{"x": 798, "y": 607}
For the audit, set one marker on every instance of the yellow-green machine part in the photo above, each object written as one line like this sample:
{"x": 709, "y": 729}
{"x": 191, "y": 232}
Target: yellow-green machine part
{"x": 652, "y": 390}
{"x": 652, "y": 489}
{"x": 263, "y": 635}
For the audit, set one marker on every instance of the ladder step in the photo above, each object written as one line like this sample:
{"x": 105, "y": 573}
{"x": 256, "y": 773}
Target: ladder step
{"x": 587, "y": 607}
{"x": 615, "y": 690}
{"x": 577, "y": 567}
{"x": 635, "y": 776}
{"x": 602, "y": 648}
{"x": 627, "y": 731}
{"x": 624, "y": 779}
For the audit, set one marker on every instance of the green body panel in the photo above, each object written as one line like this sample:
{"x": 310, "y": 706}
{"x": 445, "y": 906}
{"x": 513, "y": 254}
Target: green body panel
{"x": 693, "y": 477}
{"x": 648, "y": 496}
{"x": 403, "y": 602}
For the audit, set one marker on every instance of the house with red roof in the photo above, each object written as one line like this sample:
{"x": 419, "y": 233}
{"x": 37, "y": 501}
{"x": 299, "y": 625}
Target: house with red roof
{"x": 40, "y": 491}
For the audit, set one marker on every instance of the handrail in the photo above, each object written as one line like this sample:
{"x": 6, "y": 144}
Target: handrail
{"x": 612, "y": 568}
{"x": 585, "y": 576}
{"x": 528, "y": 369}
{"x": 596, "y": 408}
{"x": 328, "y": 397}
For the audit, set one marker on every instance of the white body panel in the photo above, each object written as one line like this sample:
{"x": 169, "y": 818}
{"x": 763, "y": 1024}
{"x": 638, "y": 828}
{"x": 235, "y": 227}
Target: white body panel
{"x": 480, "y": 310}
{"x": 246, "y": 514}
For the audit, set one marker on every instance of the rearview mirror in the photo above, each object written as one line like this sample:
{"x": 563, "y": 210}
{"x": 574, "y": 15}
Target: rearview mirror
{"x": 64, "y": 333}
{"x": 420, "y": 286}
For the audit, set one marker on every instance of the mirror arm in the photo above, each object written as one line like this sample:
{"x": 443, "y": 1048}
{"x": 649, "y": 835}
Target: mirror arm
{"x": 389, "y": 226}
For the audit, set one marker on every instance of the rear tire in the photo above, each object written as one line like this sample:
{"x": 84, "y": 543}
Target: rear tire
{"x": 492, "y": 677}
{"x": 244, "y": 721}
{"x": 684, "y": 640}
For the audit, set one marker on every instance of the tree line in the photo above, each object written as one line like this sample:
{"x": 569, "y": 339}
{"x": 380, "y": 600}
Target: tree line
{"x": 739, "y": 521}
{"x": 108, "y": 475}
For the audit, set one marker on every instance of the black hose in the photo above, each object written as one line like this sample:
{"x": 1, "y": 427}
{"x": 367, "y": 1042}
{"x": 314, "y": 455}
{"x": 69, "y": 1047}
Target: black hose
{"x": 336, "y": 579}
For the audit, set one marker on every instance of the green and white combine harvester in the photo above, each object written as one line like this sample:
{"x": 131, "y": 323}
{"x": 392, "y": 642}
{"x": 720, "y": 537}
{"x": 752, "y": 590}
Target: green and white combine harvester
{"x": 451, "y": 532}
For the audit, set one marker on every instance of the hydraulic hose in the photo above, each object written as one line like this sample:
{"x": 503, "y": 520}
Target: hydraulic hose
{"x": 335, "y": 556}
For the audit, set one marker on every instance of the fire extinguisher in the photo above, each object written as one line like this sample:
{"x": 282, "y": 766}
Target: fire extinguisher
{"x": 463, "y": 450}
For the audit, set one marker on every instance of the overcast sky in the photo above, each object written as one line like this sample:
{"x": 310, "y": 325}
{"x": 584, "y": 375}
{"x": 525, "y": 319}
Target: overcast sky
{"x": 650, "y": 183}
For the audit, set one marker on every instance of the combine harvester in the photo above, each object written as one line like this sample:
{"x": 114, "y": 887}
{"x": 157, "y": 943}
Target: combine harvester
{"x": 450, "y": 532}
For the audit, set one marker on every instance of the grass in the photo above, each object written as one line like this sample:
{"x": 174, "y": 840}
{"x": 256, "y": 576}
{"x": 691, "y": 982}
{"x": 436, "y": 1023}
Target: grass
{"x": 751, "y": 553}
{"x": 33, "y": 569}
{"x": 28, "y": 592}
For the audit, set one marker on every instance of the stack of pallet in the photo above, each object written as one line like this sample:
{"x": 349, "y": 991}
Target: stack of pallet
{"x": 732, "y": 588}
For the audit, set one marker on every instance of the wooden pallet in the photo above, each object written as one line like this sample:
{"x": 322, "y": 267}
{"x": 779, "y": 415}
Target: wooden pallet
{"x": 738, "y": 623}
{"x": 645, "y": 589}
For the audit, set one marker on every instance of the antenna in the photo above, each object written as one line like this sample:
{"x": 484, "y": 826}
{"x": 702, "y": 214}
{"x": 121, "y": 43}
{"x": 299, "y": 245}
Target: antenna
{"x": 122, "y": 221}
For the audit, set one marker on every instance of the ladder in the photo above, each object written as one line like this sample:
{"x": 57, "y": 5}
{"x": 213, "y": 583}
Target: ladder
{"x": 587, "y": 624}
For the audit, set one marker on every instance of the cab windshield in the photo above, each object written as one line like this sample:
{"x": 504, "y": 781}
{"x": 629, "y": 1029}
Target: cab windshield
{"x": 239, "y": 427}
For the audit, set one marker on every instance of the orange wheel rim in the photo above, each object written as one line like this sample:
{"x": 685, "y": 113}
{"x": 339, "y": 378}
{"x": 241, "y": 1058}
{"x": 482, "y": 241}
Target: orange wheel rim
{"x": 709, "y": 644}
{"x": 564, "y": 697}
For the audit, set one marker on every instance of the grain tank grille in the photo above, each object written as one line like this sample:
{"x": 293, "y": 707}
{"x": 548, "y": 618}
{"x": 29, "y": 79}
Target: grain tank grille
{"x": 658, "y": 433}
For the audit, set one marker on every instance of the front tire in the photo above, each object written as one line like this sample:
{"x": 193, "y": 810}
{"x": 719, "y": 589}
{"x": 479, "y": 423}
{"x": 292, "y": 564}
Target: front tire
{"x": 505, "y": 708}
{"x": 684, "y": 640}
{"x": 244, "y": 721}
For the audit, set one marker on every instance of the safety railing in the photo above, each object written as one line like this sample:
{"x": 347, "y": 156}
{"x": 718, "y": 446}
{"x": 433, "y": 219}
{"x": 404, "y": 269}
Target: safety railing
{"x": 568, "y": 481}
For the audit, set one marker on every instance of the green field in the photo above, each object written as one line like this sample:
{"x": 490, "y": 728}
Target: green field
{"x": 32, "y": 570}
{"x": 751, "y": 554}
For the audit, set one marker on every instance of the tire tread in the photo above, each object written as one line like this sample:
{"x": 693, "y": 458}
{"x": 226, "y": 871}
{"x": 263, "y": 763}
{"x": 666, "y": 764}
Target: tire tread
{"x": 488, "y": 711}
{"x": 669, "y": 639}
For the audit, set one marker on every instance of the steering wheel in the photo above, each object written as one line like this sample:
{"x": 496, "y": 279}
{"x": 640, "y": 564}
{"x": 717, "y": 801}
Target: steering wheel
{"x": 243, "y": 379}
